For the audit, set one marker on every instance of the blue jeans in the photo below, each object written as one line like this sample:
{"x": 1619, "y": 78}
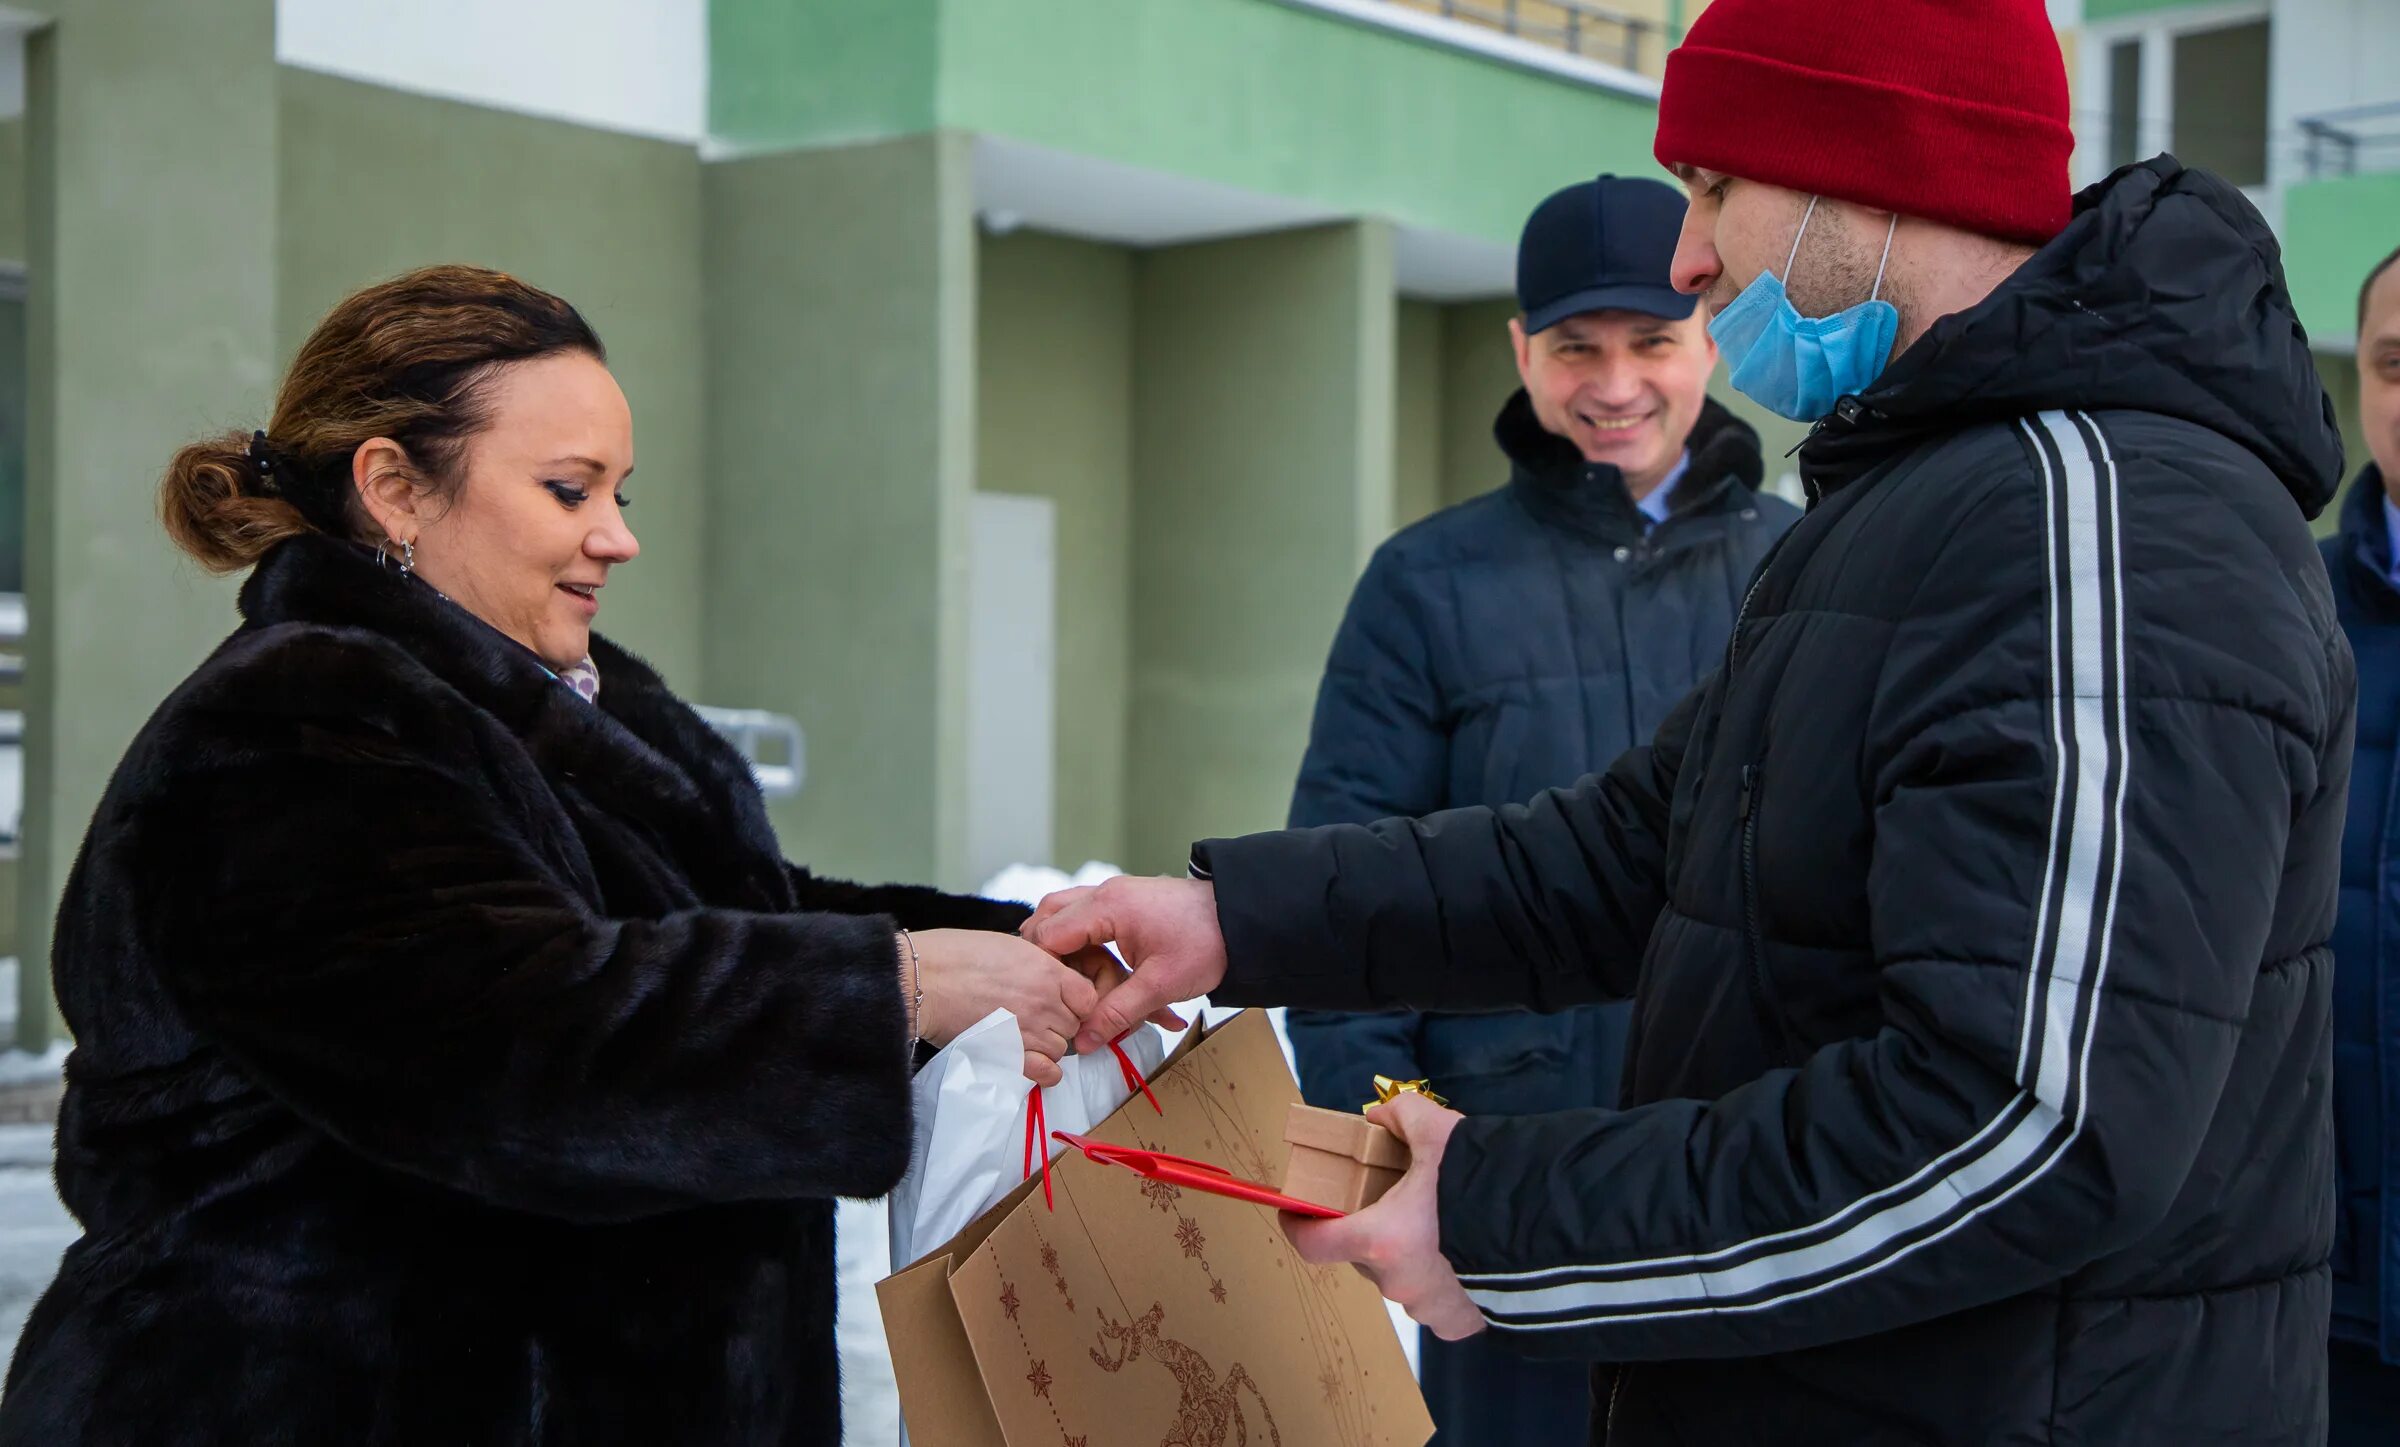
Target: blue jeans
{"x": 1482, "y": 1394}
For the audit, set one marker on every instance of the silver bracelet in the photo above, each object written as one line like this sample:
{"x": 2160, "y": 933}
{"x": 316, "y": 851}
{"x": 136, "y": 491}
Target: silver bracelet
{"x": 916, "y": 1006}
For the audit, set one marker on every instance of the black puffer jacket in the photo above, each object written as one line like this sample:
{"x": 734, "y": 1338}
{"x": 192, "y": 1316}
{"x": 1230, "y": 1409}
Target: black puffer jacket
{"x": 456, "y": 1061}
{"x": 1975, "y": 913}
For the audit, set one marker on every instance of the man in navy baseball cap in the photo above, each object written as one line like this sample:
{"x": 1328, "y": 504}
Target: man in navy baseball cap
{"x": 1516, "y": 642}
{"x": 1614, "y": 359}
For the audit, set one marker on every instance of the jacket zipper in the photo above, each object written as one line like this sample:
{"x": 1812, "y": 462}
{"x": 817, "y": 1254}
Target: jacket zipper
{"x": 1752, "y": 935}
{"x": 1608, "y": 1423}
{"x": 1733, "y": 646}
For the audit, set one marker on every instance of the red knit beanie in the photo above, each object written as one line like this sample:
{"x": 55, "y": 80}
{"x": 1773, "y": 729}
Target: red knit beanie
{"x": 1953, "y": 110}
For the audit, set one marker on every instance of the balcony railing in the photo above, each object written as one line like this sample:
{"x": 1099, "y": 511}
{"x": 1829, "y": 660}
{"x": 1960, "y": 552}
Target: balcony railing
{"x": 2346, "y": 142}
{"x": 1578, "y": 27}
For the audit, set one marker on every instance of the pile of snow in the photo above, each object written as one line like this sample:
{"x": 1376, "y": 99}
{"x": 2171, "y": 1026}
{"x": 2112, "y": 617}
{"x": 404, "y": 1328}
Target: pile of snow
{"x": 1030, "y": 883}
{"x": 24, "y": 1067}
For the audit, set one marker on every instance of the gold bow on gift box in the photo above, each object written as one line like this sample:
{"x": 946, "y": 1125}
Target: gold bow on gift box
{"x": 1388, "y": 1089}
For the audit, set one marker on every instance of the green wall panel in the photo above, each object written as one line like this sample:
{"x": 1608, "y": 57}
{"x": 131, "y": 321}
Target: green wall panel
{"x": 1417, "y": 419}
{"x": 1264, "y": 386}
{"x": 1054, "y": 410}
{"x": 2333, "y": 234}
{"x": 150, "y": 243}
{"x": 2095, "y": 10}
{"x": 13, "y": 400}
{"x": 1479, "y": 371}
{"x": 12, "y": 190}
{"x": 788, "y": 70}
{"x": 2340, "y": 374}
{"x": 1286, "y": 101}
{"x": 1255, "y": 94}
{"x": 375, "y": 182}
{"x": 840, "y": 313}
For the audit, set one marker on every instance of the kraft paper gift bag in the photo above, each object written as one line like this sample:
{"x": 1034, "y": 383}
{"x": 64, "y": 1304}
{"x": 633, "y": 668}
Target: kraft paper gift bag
{"x": 1136, "y": 1313}
{"x": 972, "y": 1105}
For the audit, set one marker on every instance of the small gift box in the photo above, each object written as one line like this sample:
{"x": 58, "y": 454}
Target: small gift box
{"x": 1340, "y": 1160}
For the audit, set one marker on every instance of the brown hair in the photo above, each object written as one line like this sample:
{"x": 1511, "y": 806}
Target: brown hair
{"x": 409, "y": 359}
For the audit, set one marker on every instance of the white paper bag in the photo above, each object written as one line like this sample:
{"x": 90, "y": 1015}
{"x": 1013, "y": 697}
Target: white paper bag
{"x": 969, "y": 1105}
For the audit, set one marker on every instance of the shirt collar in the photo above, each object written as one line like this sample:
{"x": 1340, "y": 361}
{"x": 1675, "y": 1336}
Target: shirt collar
{"x": 1662, "y": 497}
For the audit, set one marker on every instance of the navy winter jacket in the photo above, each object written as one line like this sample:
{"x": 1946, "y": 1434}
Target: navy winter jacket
{"x": 2366, "y": 942}
{"x": 1510, "y": 644}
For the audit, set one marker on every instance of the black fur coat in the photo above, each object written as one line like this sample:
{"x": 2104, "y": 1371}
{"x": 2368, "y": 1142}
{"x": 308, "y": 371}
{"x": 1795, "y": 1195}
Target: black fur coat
{"x": 457, "y": 1061}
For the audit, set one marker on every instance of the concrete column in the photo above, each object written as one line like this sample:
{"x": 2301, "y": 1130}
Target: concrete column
{"x": 151, "y": 159}
{"x": 1417, "y": 413}
{"x": 1263, "y": 478}
{"x": 1479, "y": 371}
{"x": 840, "y": 427}
{"x": 1054, "y": 419}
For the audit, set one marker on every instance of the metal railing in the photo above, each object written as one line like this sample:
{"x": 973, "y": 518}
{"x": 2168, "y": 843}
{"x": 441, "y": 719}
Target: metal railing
{"x": 2346, "y": 142}
{"x": 1577, "y": 27}
{"x": 780, "y": 769}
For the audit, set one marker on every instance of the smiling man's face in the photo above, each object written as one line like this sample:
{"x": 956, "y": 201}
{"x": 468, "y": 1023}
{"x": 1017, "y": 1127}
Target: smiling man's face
{"x": 1625, "y": 388}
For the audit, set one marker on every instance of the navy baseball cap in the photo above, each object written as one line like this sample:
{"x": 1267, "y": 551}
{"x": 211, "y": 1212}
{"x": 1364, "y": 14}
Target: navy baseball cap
{"x": 1602, "y": 245}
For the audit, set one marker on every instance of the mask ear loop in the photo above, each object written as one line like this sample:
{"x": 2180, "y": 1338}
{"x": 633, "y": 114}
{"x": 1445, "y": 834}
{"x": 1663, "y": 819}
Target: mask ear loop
{"x": 1889, "y": 232}
{"x": 1803, "y": 231}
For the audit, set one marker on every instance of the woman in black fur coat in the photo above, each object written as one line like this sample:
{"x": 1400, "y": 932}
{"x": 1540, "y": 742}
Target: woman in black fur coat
{"x": 458, "y": 1061}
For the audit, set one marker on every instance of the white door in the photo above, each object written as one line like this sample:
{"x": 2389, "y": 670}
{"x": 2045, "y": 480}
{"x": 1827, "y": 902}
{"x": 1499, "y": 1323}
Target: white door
{"x": 1012, "y": 676}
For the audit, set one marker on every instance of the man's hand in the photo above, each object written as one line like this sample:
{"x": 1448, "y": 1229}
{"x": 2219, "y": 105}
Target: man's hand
{"x": 1397, "y": 1242}
{"x": 1165, "y": 928}
{"x": 1106, "y": 972}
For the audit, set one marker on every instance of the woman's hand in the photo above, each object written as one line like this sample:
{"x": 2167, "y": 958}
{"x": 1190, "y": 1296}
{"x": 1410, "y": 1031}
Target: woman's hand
{"x": 967, "y": 974}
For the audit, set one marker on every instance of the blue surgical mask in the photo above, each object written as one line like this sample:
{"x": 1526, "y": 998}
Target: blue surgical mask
{"x": 1797, "y": 366}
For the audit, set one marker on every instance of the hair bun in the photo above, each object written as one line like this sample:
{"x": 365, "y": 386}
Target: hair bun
{"x": 217, "y": 501}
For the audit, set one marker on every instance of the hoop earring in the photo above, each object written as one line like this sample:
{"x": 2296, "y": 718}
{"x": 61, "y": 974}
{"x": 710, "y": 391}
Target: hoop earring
{"x": 408, "y": 556}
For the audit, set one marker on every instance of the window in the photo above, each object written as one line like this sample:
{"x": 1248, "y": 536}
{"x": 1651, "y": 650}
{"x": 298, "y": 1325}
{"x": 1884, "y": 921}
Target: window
{"x": 2220, "y": 117}
{"x": 2198, "y": 88}
{"x": 2124, "y": 103}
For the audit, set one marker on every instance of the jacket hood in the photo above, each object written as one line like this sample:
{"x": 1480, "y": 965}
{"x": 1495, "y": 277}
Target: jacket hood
{"x": 2165, "y": 294}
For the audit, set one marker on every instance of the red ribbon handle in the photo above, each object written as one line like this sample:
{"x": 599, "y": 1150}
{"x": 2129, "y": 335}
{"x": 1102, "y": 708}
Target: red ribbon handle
{"x": 1133, "y": 1072}
{"x": 1037, "y": 1131}
{"x": 1037, "y": 1124}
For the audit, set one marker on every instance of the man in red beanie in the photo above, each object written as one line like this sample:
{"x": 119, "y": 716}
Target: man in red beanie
{"x": 1975, "y": 912}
